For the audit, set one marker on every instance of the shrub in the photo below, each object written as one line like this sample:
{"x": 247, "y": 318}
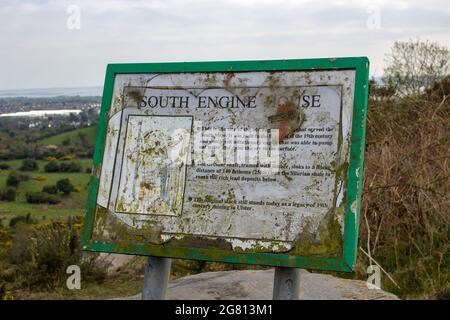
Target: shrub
{"x": 5, "y": 241}
{"x": 4, "y": 294}
{"x": 26, "y": 219}
{"x": 52, "y": 166}
{"x": 41, "y": 197}
{"x": 65, "y": 186}
{"x": 50, "y": 189}
{"x": 9, "y": 194}
{"x": 14, "y": 179}
{"x": 4, "y": 166}
{"x": 41, "y": 253}
{"x": 70, "y": 167}
{"x": 29, "y": 165}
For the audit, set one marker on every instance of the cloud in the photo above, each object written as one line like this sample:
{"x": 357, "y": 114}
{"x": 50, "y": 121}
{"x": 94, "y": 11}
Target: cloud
{"x": 37, "y": 49}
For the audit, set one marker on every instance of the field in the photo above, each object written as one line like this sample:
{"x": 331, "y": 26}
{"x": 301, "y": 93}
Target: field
{"x": 90, "y": 133}
{"x": 71, "y": 205}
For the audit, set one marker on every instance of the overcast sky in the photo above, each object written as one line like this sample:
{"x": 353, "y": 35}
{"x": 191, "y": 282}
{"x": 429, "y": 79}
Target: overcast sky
{"x": 41, "y": 45}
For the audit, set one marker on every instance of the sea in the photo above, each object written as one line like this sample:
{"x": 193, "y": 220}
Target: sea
{"x": 53, "y": 92}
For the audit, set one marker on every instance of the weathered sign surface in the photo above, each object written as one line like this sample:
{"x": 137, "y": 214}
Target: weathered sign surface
{"x": 253, "y": 162}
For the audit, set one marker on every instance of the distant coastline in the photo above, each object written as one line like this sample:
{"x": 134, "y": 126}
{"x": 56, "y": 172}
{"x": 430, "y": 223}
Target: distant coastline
{"x": 53, "y": 92}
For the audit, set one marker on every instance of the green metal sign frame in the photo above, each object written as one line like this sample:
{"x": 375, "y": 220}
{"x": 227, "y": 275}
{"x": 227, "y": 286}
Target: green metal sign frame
{"x": 354, "y": 174}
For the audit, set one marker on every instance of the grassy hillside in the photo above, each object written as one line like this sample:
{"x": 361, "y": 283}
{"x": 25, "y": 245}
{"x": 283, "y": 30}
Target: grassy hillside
{"x": 73, "y": 135}
{"x": 70, "y": 206}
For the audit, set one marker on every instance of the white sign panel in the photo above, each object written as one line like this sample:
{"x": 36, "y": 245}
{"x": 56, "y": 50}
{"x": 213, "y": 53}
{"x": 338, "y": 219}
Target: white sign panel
{"x": 254, "y": 159}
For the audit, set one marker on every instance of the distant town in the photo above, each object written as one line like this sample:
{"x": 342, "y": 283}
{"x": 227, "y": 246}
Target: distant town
{"x": 25, "y": 121}
{"x": 32, "y": 112}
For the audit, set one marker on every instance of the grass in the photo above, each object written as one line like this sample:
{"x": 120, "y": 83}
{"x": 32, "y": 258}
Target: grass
{"x": 113, "y": 287}
{"x": 72, "y": 205}
{"x": 90, "y": 133}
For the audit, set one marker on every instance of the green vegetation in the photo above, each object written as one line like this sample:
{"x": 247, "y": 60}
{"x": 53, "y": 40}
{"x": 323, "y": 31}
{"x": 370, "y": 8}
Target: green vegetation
{"x": 55, "y": 166}
{"x": 37, "y": 255}
{"x": 29, "y": 165}
{"x": 15, "y": 178}
{"x": 72, "y": 206}
{"x": 27, "y": 219}
{"x": 65, "y": 186}
{"x": 8, "y": 194}
{"x": 72, "y": 136}
{"x": 41, "y": 197}
{"x": 50, "y": 189}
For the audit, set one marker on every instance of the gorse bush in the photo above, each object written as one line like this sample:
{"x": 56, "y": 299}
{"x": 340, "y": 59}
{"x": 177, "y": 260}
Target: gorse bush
{"x": 66, "y": 157}
{"x": 41, "y": 253}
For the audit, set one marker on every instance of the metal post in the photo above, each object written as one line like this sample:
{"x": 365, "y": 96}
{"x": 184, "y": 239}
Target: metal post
{"x": 156, "y": 278}
{"x": 286, "y": 283}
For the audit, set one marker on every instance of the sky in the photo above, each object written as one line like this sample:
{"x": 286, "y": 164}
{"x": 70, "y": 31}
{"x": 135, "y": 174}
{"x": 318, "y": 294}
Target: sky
{"x": 47, "y": 44}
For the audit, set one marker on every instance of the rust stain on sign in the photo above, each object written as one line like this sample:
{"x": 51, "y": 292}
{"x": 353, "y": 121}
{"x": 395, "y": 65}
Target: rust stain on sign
{"x": 289, "y": 118}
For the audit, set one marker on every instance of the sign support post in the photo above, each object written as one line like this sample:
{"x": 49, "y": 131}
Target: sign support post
{"x": 156, "y": 277}
{"x": 286, "y": 283}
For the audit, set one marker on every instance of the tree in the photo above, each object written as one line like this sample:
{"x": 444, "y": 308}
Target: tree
{"x": 83, "y": 139}
{"x": 413, "y": 66}
{"x": 84, "y": 117}
{"x": 4, "y": 166}
{"x": 73, "y": 117}
{"x": 65, "y": 186}
{"x": 13, "y": 180}
{"x": 50, "y": 189}
{"x": 29, "y": 165}
{"x": 9, "y": 194}
{"x": 52, "y": 166}
{"x": 66, "y": 142}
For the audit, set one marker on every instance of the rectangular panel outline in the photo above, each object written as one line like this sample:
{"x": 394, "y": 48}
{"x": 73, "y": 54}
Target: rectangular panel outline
{"x": 354, "y": 176}
{"x": 123, "y": 155}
